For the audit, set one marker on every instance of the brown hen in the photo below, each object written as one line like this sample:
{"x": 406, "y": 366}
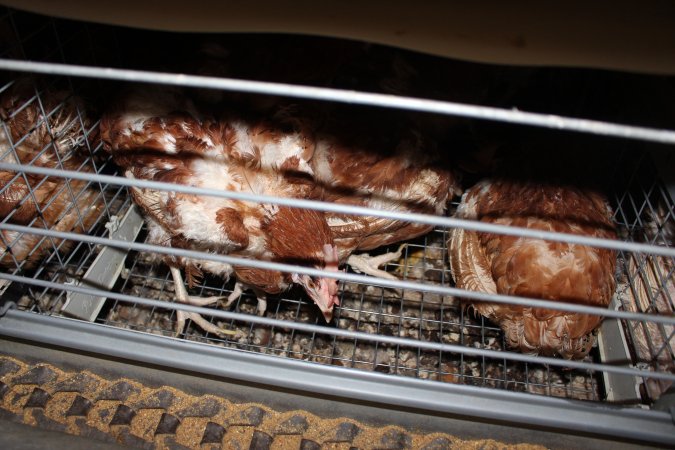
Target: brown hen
{"x": 29, "y": 137}
{"x": 548, "y": 270}
{"x": 159, "y": 135}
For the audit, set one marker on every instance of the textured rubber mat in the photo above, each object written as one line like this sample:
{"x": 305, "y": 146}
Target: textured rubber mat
{"x": 128, "y": 412}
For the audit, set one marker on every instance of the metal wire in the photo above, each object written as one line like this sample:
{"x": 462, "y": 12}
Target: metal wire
{"x": 343, "y": 333}
{"x": 449, "y": 222}
{"x": 269, "y": 265}
{"x": 352, "y": 97}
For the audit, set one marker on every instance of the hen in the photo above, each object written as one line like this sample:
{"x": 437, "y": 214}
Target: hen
{"x": 162, "y": 135}
{"x": 159, "y": 135}
{"x": 43, "y": 131}
{"x": 554, "y": 271}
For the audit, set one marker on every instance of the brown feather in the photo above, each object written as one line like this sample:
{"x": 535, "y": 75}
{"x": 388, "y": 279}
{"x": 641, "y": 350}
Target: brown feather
{"x": 28, "y": 137}
{"x": 527, "y": 267}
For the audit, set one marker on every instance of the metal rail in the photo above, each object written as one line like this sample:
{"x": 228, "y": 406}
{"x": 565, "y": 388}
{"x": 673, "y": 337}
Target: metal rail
{"x": 449, "y": 222}
{"x": 453, "y": 399}
{"x": 513, "y": 116}
{"x": 310, "y": 328}
{"x": 396, "y": 284}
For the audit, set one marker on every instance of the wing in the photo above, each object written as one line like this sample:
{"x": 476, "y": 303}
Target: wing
{"x": 166, "y": 121}
{"x": 405, "y": 175}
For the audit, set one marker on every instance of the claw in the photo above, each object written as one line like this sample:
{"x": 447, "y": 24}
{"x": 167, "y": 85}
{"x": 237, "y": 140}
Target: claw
{"x": 369, "y": 265}
{"x": 181, "y": 316}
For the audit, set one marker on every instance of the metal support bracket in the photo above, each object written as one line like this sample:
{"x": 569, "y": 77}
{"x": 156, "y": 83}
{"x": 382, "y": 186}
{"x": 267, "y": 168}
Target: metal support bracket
{"x": 105, "y": 270}
{"x": 614, "y": 350}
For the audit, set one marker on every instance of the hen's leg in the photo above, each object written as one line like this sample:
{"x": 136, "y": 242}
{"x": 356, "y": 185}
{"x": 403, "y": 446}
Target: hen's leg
{"x": 239, "y": 289}
{"x": 183, "y": 297}
{"x": 262, "y": 301}
{"x": 262, "y": 305}
{"x": 191, "y": 299}
{"x": 236, "y": 293}
{"x": 369, "y": 265}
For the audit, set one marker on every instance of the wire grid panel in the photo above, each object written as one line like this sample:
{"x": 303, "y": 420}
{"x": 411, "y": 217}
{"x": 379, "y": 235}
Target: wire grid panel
{"x": 54, "y": 203}
{"x": 643, "y": 211}
{"x": 48, "y": 123}
{"x": 411, "y": 314}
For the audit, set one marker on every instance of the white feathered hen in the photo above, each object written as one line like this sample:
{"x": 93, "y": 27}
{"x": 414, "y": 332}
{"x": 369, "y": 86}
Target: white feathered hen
{"x": 159, "y": 134}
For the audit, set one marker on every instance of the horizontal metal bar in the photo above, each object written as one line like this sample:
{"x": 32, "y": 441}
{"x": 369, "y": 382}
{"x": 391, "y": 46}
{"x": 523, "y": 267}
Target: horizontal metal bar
{"x": 346, "y": 96}
{"x": 350, "y": 334}
{"x": 449, "y": 222}
{"x": 469, "y": 401}
{"x": 395, "y": 284}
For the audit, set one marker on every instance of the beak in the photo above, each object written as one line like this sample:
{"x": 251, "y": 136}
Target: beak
{"x": 323, "y": 291}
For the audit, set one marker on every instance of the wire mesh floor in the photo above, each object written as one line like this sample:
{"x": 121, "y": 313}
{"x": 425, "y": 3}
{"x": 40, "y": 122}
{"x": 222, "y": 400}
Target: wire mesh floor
{"x": 645, "y": 284}
{"x": 410, "y": 314}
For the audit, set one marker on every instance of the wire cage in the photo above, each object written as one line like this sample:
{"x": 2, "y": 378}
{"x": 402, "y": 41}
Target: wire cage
{"x": 87, "y": 260}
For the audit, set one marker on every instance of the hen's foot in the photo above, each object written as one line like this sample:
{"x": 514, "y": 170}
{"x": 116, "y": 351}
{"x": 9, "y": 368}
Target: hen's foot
{"x": 260, "y": 295}
{"x": 370, "y": 265}
{"x": 262, "y": 301}
{"x": 204, "y": 324}
{"x": 181, "y": 316}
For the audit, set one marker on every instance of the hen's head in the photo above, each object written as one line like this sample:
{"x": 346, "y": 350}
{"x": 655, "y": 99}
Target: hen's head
{"x": 322, "y": 290}
{"x": 303, "y": 237}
